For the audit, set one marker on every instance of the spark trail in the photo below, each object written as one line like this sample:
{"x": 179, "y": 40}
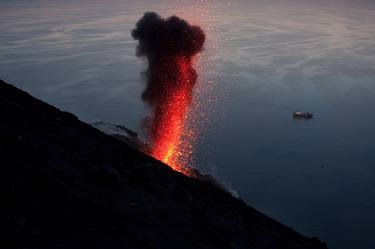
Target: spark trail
{"x": 170, "y": 46}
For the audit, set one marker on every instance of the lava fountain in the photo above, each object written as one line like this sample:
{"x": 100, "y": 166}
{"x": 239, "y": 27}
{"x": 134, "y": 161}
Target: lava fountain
{"x": 170, "y": 46}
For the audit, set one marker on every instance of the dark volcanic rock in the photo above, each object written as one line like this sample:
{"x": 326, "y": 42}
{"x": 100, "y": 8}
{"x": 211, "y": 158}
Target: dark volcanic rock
{"x": 64, "y": 184}
{"x": 121, "y": 133}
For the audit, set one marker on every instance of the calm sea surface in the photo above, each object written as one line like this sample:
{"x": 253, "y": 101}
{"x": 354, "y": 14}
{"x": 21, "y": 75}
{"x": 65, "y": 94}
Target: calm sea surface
{"x": 265, "y": 59}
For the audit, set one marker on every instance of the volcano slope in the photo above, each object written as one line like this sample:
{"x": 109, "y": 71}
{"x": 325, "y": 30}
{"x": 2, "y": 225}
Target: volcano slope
{"x": 65, "y": 184}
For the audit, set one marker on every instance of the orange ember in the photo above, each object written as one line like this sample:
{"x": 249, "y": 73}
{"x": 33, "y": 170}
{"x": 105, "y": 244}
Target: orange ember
{"x": 171, "y": 143}
{"x": 170, "y": 46}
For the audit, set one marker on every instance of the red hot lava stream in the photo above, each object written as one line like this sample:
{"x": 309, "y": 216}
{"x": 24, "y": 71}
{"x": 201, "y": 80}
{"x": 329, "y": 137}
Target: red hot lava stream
{"x": 170, "y": 46}
{"x": 169, "y": 144}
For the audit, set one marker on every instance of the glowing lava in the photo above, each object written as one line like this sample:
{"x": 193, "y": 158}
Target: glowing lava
{"x": 170, "y": 46}
{"x": 169, "y": 139}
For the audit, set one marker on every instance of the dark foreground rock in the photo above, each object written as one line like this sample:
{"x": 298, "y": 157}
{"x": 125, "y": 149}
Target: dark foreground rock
{"x": 65, "y": 184}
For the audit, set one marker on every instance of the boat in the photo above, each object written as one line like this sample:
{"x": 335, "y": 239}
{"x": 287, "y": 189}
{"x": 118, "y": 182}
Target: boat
{"x": 304, "y": 115}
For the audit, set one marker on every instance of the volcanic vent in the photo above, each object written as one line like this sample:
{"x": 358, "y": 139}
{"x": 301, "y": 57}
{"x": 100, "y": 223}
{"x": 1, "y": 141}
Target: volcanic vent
{"x": 170, "y": 46}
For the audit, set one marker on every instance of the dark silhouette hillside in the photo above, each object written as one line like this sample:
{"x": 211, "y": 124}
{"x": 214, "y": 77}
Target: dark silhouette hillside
{"x": 65, "y": 184}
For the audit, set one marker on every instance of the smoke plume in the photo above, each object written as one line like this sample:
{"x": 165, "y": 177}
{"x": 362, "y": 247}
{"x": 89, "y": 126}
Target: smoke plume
{"x": 169, "y": 45}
